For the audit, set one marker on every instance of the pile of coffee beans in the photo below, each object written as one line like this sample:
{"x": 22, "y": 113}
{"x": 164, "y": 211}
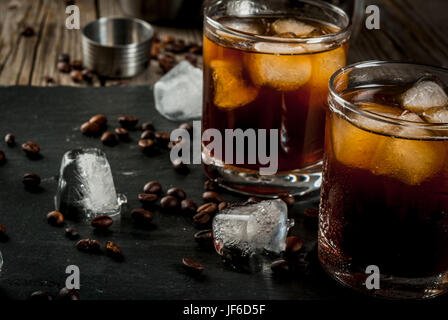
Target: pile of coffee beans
{"x": 78, "y": 73}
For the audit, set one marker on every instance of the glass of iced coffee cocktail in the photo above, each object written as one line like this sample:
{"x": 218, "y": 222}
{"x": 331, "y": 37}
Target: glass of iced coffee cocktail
{"x": 384, "y": 206}
{"x": 266, "y": 68}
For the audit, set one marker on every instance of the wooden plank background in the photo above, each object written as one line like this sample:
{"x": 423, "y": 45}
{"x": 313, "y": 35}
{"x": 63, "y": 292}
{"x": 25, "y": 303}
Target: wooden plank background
{"x": 411, "y": 30}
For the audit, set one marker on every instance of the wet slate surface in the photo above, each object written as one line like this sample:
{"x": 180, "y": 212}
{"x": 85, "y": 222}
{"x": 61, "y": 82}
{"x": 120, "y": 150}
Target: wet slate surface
{"x": 37, "y": 254}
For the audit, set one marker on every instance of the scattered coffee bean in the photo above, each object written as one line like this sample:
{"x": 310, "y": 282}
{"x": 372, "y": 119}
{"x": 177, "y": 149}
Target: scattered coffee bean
{"x": 147, "y": 134}
{"x": 153, "y": 187}
{"x": 177, "y": 192}
{"x": 280, "y": 268}
{"x": 76, "y": 64}
{"x": 172, "y": 144}
{"x": 155, "y": 50}
{"x": 192, "y": 58}
{"x": 76, "y": 76}
{"x": 90, "y": 129}
{"x": 202, "y": 217}
{"x": 147, "y": 126}
{"x": 109, "y": 139}
{"x": 2, "y": 158}
{"x": 102, "y": 222}
{"x": 168, "y": 39}
{"x": 293, "y": 244}
{"x": 114, "y": 251}
{"x": 253, "y": 200}
{"x": 66, "y": 294}
{"x": 211, "y": 185}
{"x": 89, "y": 246}
{"x": 31, "y": 149}
{"x": 204, "y": 238}
{"x": 196, "y": 49}
{"x": 3, "y": 235}
{"x": 192, "y": 265}
{"x": 100, "y": 120}
{"x": 289, "y": 200}
{"x": 123, "y": 134}
{"x": 64, "y": 57}
{"x": 212, "y": 196}
{"x": 169, "y": 203}
{"x": 188, "y": 206}
{"x": 28, "y": 32}
{"x": 31, "y": 181}
{"x": 147, "y": 198}
{"x": 87, "y": 75}
{"x": 187, "y": 126}
{"x": 49, "y": 80}
{"x": 208, "y": 208}
{"x": 71, "y": 233}
{"x": 312, "y": 213}
{"x": 40, "y": 296}
{"x": 55, "y": 218}
{"x": 63, "y": 67}
{"x": 224, "y": 205}
{"x": 146, "y": 145}
{"x": 141, "y": 216}
{"x": 180, "y": 167}
{"x": 177, "y": 46}
{"x": 128, "y": 122}
{"x": 167, "y": 61}
{"x": 10, "y": 140}
{"x": 162, "y": 138}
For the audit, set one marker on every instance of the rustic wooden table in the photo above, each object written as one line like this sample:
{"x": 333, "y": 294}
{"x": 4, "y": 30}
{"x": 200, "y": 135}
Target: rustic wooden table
{"x": 411, "y": 30}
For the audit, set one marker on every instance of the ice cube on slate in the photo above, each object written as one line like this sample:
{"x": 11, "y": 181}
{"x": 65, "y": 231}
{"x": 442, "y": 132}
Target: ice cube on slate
{"x": 252, "y": 228}
{"x": 178, "y": 94}
{"x": 86, "y": 187}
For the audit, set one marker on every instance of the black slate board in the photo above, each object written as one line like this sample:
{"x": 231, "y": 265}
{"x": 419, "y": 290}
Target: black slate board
{"x": 37, "y": 254}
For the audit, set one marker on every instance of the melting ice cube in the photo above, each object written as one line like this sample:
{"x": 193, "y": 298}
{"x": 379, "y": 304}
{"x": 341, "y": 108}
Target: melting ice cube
{"x": 252, "y": 228}
{"x": 294, "y": 26}
{"x": 86, "y": 187}
{"x": 436, "y": 115}
{"x": 178, "y": 94}
{"x": 423, "y": 95}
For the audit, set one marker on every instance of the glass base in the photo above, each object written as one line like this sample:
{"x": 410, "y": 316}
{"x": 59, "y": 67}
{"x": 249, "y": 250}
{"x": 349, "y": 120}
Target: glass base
{"x": 391, "y": 287}
{"x": 249, "y": 182}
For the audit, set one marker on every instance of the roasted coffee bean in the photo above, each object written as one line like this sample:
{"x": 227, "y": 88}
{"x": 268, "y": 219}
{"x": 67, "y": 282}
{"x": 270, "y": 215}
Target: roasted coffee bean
{"x": 100, "y": 120}
{"x": 66, "y": 294}
{"x": 208, "y": 208}
{"x": 169, "y": 203}
{"x": 31, "y": 181}
{"x": 122, "y": 134}
{"x": 64, "y": 57}
{"x": 76, "y": 76}
{"x": 3, "y": 235}
{"x": 146, "y": 145}
{"x": 90, "y": 129}
{"x": 192, "y": 58}
{"x": 192, "y": 265}
{"x": 153, "y": 187}
{"x": 289, "y": 200}
{"x": 102, "y": 222}
{"x": 201, "y": 218}
{"x": 253, "y": 200}
{"x": 293, "y": 244}
{"x": 63, "y": 67}
{"x": 147, "y": 126}
{"x": 141, "y": 216}
{"x": 224, "y": 205}
{"x": 89, "y": 246}
{"x": 177, "y": 192}
{"x": 188, "y": 206}
{"x": 28, "y": 32}
{"x": 49, "y": 80}
{"x": 187, "y": 126}
{"x": 71, "y": 233}
{"x": 196, "y": 49}
{"x": 76, "y": 64}
{"x": 204, "y": 238}
{"x": 172, "y": 144}
{"x": 212, "y": 196}
{"x": 167, "y": 61}
{"x": 312, "y": 213}
{"x": 109, "y": 139}
{"x": 147, "y": 198}
{"x": 55, "y": 218}
{"x": 180, "y": 167}
{"x": 40, "y": 296}
{"x": 114, "y": 251}
{"x": 31, "y": 148}
{"x": 128, "y": 122}
{"x": 156, "y": 48}
{"x": 10, "y": 140}
{"x": 87, "y": 75}
{"x": 168, "y": 39}
{"x": 211, "y": 185}
{"x": 2, "y": 158}
{"x": 177, "y": 46}
{"x": 162, "y": 138}
{"x": 281, "y": 268}
{"x": 147, "y": 134}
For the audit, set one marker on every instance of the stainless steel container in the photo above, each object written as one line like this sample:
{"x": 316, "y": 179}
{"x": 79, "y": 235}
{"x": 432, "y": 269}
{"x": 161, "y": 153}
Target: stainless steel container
{"x": 117, "y": 47}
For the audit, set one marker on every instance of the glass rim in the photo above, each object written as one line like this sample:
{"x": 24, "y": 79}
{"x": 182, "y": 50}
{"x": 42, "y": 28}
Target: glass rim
{"x": 340, "y": 35}
{"x": 347, "y": 105}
